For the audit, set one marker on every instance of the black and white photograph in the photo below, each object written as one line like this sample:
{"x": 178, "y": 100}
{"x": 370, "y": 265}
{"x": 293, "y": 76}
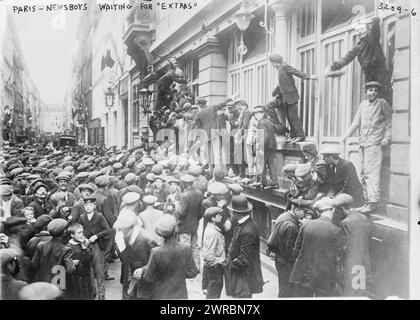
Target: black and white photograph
{"x": 213, "y": 150}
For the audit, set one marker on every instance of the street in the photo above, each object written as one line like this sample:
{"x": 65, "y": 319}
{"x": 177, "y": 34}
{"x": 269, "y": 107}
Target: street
{"x": 113, "y": 287}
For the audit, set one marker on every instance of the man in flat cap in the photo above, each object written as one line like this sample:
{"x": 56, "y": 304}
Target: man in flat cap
{"x": 342, "y": 176}
{"x": 355, "y": 254}
{"x": 374, "y": 119}
{"x": 40, "y": 203}
{"x": 307, "y": 188}
{"x": 311, "y": 154}
{"x": 281, "y": 243}
{"x": 150, "y": 215}
{"x": 286, "y": 98}
{"x": 10, "y": 204}
{"x": 200, "y": 181}
{"x": 69, "y": 198}
{"x": 53, "y": 253}
{"x": 214, "y": 255}
{"x": 189, "y": 215}
{"x": 97, "y": 230}
{"x": 370, "y": 55}
{"x": 316, "y": 252}
{"x": 134, "y": 244}
{"x": 169, "y": 265}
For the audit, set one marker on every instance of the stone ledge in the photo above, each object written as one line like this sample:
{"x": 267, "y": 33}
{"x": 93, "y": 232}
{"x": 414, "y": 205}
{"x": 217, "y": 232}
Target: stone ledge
{"x": 389, "y": 223}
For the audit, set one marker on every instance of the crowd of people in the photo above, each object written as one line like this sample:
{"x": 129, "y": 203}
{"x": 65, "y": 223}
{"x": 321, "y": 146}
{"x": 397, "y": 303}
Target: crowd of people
{"x": 65, "y": 216}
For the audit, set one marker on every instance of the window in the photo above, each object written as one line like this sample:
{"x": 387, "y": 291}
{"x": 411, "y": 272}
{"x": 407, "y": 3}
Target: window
{"x": 306, "y": 18}
{"x": 307, "y": 92}
{"x": 336, "y": 13}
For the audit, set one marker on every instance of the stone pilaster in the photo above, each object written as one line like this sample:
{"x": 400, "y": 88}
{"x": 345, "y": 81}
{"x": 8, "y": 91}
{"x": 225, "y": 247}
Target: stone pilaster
{"x": 212, "y": 71}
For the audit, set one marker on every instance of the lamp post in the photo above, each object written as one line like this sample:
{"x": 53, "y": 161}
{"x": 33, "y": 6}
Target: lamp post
{"x": 242, "y": 19}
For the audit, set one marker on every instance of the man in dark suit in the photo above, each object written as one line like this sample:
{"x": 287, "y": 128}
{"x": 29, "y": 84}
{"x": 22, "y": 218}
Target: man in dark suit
{"x": 287, "y": 98}
{"x": 70, "y": 199}
{"x": 213, "y": 119}
{"x": 355, "y": 255}
{"x": 169, "y": 265}
{"x": 189, "y": 216}
{"x": 244, "y": 275}
{"x": 52, "y": 253}
{"x": 342, "y": 176}
{"x": 317, "y": 249}
{"x": 281, "y": 243}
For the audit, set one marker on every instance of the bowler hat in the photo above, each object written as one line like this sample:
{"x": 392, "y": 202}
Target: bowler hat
{"x": 240, "y": 204}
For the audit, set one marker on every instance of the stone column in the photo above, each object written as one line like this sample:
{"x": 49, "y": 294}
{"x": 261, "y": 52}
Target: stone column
{"x": 212, "y": 71}
{"x": 282, "y": 9}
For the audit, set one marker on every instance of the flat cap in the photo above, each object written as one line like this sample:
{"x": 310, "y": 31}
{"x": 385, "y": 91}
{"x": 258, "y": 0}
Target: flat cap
{"x": 149, "y": 199}
{"x": 130, "y": 178}
{"x": 195, "y": 170}
{"x": 374, "y": 84}
{"x": 42, "y": 222}
{"x": 56, "y": 227}
{"x": 217, "y": 188}
{"x": 258, "y": 109}
{"x": 343, "y": 200}
{"x": 148, "y": 162}
{"x": 212, "y": 211}
{"x": 165, "y": 226}
{"x": 235, "y": 188}
{"x": 14, "y": 221}
{"x": 131, "y": 197}
{"x": 16, "y": 171}
{"x": 6, "y": 190}
{"x": 150, "y": 177}
{"x": 39, "y": 185}
{"x": 87, "y": 186}
{"x": 62, "y": 176}
{"x": 172, "y": 179}
{"x": 325, "y": 203}
{"x": 187, "y": 178}
{"x": 157, "y": 169}
{"x": 93, "y": 175}
{"x": 102, "y": 181}
{"x": 275, "y": 57}
{"x": 82, "y": 175}
{"x": 117, "y": 166}
{"x": 131, "y": 162}
{"x": 303, "y": 170}
{"x": 309, "y": 148}
{"x": 68, "y": 168}
{"x": 83, "y": 166}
